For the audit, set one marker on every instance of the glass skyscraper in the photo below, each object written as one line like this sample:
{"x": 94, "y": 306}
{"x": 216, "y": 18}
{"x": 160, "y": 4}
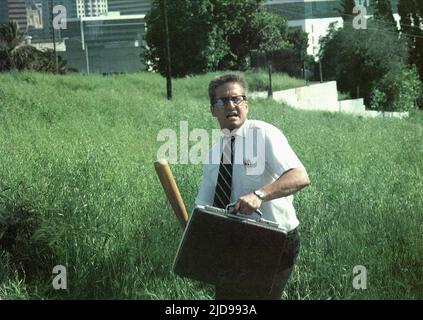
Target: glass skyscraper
{"x": 126, "y": 7}
{"x": 13, "y": 10}
{"x": 4, "y": 11}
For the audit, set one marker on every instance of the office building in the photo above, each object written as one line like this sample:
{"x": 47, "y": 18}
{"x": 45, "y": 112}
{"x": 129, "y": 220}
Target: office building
{"x": 4, "y": 11}
{"x": 91, "y": 8}
{"x": 14, "y": 10}
{"x": 128, "y": 7}
{"x": 34, "y": 12}
{"x": 105, "y": 44}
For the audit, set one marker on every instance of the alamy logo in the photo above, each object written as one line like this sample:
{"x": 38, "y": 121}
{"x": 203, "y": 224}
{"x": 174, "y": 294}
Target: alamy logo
{"x": 60, "y": 281}
{"x": 360, "y": 277}
{"x": 60, "y": 20}
{"x": 249, "y": 147}
{"x": 360, "y": 10}
{"x": 360, "y": 21}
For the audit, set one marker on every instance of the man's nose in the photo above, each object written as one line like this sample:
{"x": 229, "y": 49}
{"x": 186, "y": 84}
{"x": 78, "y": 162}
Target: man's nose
{"x": 230, "y": 104}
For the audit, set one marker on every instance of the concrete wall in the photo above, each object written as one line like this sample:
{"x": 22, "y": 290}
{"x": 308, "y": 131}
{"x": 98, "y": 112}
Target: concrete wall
{"x": 352, "y": 106}
{"x": 288, "y": 96}
{"x": 324, "y": 97}
{"x": 321, "y": 96}
{"x": 257, "y": 94}
{"x": 381, "y": 114}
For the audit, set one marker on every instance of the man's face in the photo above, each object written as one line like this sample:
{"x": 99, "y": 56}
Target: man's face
{"x": 230, "y": 115}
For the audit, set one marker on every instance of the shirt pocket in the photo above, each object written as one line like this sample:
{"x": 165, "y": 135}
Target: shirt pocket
{"x": 251, "y": 180}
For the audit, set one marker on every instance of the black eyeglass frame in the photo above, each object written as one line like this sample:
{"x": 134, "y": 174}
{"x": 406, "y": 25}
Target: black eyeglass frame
{"x": 225, "y": 101}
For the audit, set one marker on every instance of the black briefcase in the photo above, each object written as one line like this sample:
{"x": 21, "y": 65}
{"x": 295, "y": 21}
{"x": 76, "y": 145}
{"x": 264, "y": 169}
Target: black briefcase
{"x": 221, "y": 248}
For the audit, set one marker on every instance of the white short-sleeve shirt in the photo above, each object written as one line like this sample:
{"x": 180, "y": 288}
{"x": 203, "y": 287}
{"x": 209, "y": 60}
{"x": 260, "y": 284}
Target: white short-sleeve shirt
{"x": 261, "y": 155}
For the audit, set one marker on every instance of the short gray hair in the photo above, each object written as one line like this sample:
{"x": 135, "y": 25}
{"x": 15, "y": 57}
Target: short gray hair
{"x": 217, "y": 82}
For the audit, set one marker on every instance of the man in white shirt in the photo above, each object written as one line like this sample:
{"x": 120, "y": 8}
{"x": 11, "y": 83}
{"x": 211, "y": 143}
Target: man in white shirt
{"x": 265, "y": 180}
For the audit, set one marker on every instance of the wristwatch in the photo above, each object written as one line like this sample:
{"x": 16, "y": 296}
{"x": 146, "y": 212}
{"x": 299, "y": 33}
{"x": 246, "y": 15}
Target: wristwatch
{"x": 259, "y": 194}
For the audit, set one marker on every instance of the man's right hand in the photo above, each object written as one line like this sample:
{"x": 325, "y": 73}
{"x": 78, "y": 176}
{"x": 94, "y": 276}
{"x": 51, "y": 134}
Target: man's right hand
{"x": 248, "y": 204}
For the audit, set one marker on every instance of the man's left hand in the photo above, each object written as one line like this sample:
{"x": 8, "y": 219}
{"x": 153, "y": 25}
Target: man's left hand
{"x": 248, "y": 204}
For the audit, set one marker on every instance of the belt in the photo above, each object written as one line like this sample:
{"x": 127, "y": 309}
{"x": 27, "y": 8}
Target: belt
{"x": 292, "y": 232}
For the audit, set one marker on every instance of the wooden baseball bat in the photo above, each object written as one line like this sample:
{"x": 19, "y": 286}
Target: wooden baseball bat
{"x": 171, "y": 189}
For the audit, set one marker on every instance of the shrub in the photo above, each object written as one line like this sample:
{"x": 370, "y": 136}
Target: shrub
{"x": 398, "y": 90}
{"x": 22, "y": 237}
{"x": 360, "y": 60}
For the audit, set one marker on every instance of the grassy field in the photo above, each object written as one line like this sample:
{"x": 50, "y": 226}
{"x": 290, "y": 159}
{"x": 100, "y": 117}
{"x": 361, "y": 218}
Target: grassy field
{"x": 78, "y": 188}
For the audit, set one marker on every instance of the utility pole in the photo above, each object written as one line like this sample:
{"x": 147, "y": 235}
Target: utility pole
{"x": 305, "y": 72}
{"x": 168, "y": 59}
{"x": 84, "y": 46}
{"x": 87, "y": 60}
{"x": 56, "y": 60}
{"x": 270, "y": 91}
{"x": 168, "y": 69}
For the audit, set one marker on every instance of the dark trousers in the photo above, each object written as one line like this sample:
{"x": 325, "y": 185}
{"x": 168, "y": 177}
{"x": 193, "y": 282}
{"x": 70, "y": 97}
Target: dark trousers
{"x": 284, "y": 270}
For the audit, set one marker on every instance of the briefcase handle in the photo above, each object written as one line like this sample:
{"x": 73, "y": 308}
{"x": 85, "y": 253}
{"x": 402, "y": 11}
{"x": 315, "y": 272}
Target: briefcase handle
{"x": 230, "y": 209}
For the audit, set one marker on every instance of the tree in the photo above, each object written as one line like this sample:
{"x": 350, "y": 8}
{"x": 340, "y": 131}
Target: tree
{"x": 298, "y": 40}
{"x": 346, "y": 9}
{"x": 11, "y": 39}
{"x": 411, "y": 12}
{"x": 360, "y": 59}
{"x": 383, "y": 12}
{"x": 272, "y": 40}
{"x": 247, "y": 26}
{"x": 397, "y": 90}
{"x": 291, "y": 57}
{"x": 188, "y": 47}
{"x": 16, "y": 55}
{"x": 208, "y": 35}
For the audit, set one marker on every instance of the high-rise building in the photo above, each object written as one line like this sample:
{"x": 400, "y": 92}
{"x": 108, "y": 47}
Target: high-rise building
{"x": 70, "y": 6}
{"x": 91, "y": 8}
{"x": 4, "y": 11}
{"x": 126, "y": 7}
{"x": 43, "y": 31}
{"x": 105, "y": 44}
{"x": 14, "y": 10}
{"x": 34, "y": 13}
{"x": 45, "y": 34}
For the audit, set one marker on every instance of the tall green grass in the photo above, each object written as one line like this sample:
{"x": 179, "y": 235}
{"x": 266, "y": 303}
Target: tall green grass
{"x": 78, "y": 188}
{"x": 258, "y": 80}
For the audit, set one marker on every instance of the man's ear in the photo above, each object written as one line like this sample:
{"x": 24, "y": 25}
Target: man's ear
{"x": 212, "y": 111}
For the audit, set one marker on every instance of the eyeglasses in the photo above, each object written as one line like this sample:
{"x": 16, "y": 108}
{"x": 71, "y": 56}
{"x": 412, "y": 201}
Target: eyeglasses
{"x": 237, "y": 100}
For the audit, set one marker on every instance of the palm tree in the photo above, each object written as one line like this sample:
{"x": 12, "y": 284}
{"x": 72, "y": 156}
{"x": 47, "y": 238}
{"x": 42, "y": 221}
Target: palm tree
{"x": 15, "y": 54}
{"x": 11, "y": 39}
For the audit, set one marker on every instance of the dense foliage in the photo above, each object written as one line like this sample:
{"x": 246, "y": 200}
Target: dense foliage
{"x": 209, "y": 35}
{"x": 16, "y": 55}
{"x": 411, "y": 12}
{"x": 370, "y": 63}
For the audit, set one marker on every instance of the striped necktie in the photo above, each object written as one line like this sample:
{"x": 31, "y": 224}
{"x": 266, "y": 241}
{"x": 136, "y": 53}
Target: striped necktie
{"x": 224, "y": 180}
